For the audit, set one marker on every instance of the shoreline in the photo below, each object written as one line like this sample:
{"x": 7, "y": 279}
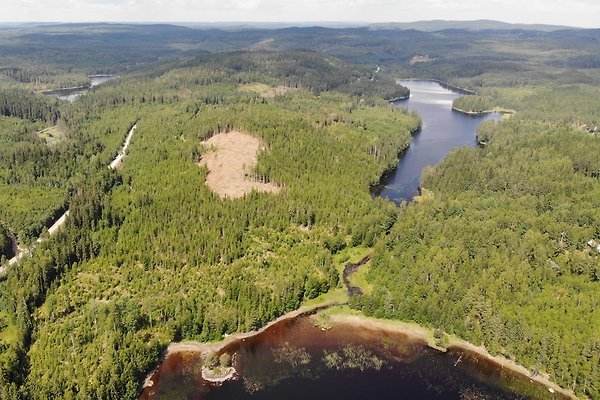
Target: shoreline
{"x": 399, "y": 98}
{"x": 207, "y": 348}
{"x": 415, "y": 331}
{"x": 411, "y": 330}
{"x": 455, "y": 88}
{"x": 499, "y": 111}
{"x": 87, "y": 86}
{"x": 443, "y": 84}
{"x": 59, "y": 91}
{"x": 375, "y": 188}
{"x": 481, "y": 351}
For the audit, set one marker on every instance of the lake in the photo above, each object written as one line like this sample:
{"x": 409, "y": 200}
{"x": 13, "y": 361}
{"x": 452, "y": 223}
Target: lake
{"x": 71, "y": 94}
{"x": 443, "y": 130}
{"x": 298, "y": 359}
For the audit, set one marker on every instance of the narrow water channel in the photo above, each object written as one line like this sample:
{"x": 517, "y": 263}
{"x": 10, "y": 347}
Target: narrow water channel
{"x": 443, "y": 130}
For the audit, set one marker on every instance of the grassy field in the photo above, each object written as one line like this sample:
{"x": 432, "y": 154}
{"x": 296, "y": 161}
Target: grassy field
{"x": 52, "y": 135}
{"x": 339, "y": 295}
{"x": 350, "y": 254}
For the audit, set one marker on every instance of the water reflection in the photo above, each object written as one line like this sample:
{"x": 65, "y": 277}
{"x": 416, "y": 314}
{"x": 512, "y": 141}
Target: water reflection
{"x": 443, "y": 130}
{"x": 72, "y": 94}
{"x": 295, "y": 359}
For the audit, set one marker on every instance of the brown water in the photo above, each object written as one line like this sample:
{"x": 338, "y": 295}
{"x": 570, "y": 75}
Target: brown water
{"x": 295, "y": 359}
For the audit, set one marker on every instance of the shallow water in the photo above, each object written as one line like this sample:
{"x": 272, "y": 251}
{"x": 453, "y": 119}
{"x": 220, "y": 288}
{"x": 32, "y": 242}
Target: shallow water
{"x": 295, "y": 359}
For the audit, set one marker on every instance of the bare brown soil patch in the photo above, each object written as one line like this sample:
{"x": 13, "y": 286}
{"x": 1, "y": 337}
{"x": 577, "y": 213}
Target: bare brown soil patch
{"x": 230, "y": 158}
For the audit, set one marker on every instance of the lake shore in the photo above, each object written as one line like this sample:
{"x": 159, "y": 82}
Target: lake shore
{"x": 494, "y": 110}
{"x": 415, "y": 331}
{"x": 208, "y": 348}
{"x": 334, "y": 316}
{"x": 443, "y": 84}
{"x": 399, "y": 98}
{"x": 503, "y": 362}
{"x": 64, "y": 90}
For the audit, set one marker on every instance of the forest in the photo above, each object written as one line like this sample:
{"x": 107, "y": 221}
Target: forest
{"x": 150, "y": 255}
{"x": 223, "y": 266}
{"x": 499, "y": 255}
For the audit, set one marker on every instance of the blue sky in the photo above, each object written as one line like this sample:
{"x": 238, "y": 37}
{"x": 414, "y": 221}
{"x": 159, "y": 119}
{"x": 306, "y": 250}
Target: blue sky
{"x": 583, "y": 13}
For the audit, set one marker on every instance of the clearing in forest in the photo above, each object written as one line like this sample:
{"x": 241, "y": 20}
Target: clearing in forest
{"x": 52, "y": 135}
{"x": 265, "y": 91}
{"x": 230, "y": 158}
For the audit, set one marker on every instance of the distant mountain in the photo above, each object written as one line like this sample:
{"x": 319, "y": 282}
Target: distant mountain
{"x": 477, "y": 25}
{"x": 424, "y": 26}
{"x": 232, "y": 25}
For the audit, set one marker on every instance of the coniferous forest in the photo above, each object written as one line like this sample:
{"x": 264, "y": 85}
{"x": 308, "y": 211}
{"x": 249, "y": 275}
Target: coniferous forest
{"x": 496, "y": 254}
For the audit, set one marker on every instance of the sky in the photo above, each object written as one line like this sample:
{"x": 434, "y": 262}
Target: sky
{"x": 581, "y": 13}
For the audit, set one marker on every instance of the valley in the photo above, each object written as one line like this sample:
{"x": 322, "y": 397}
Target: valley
{"x": 215, "y": 187}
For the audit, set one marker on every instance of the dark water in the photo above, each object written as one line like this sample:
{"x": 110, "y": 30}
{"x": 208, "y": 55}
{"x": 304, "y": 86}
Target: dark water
{"x": 443, "y": 130}
{"x": 349, "y": 269}
{"x": 295, "y": 359}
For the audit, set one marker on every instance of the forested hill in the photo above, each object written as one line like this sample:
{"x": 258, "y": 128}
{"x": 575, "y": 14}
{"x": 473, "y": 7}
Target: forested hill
{"x": 150, "y": 255}
{"x": 62, "y": 55}
{"x": 475, "y": 25}
{"x": 499, "y": 256}
{"x": 43, "y": 142}
{"x": 306, "y": 70}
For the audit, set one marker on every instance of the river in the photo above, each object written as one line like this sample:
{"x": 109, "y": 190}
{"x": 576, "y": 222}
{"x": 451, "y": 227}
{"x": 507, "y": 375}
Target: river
{"x": 443, "y": 130}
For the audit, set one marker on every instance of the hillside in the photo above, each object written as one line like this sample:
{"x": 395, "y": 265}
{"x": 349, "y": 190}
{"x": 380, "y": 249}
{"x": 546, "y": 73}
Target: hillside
{"x": 496, "y": 254}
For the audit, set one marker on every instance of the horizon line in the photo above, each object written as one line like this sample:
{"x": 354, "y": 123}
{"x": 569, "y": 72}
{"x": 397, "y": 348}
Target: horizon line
{"x": 286, "y": 22}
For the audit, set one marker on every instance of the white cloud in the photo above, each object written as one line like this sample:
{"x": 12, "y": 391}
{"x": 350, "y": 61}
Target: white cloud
{"x": 566, "y": 12}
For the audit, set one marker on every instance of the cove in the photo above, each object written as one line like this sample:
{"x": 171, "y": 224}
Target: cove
{"x": 343, "y": 357}
{"x": 442, "y": 131}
